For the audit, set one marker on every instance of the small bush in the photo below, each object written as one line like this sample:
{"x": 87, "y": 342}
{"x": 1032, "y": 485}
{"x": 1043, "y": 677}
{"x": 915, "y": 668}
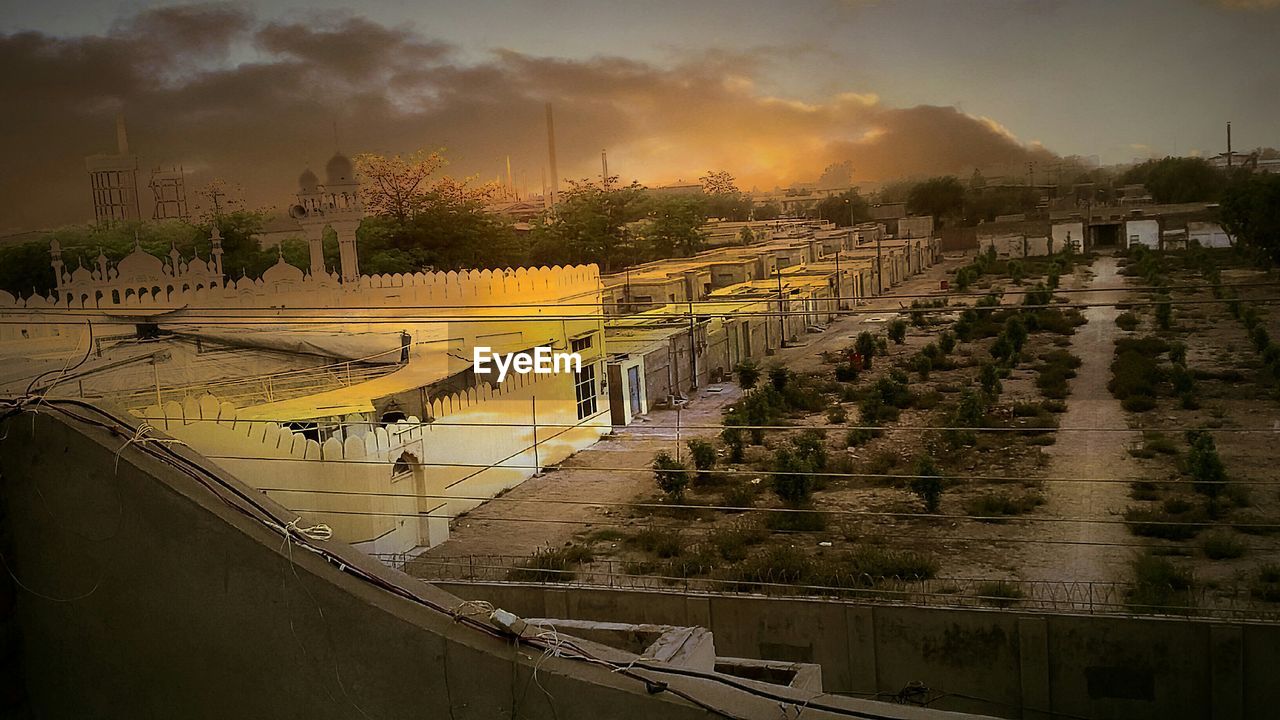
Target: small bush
{"x": 897, "y": 330}
{"x": 1127, "y": 321}
{"x": 1159, "y": 585}
{"x": 1266, "y": 586}
{"x": 927, "y": 485}
{"x": 837, "y": 415}
{"x": 672, "y": 476}
{"x": 1220, "y": 545}
{"x": 704, "y": 459}
{"x": 1177, "y": 520}
{"x": 1001, "y": 504}
{"x": 999, "y": 593}
{"x": 748, "y": 374}
{"x": 548, "y": 564}
{"x": 738, "y": 494}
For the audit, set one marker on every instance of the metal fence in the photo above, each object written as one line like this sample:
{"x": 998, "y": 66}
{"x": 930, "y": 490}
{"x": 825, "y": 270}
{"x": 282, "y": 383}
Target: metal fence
{"x": 1224, "y": 601}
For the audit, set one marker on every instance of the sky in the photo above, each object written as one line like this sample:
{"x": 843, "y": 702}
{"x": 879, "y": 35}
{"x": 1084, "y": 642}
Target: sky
{"x": 773, "y": 92}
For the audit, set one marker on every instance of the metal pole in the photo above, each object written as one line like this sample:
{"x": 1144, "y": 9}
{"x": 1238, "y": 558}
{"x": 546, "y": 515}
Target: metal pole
{"x": 537, "y": 466}
{"x": 879, "y": 265}
{"x": 693, "y": 349}
{"x": 782, "y": 318}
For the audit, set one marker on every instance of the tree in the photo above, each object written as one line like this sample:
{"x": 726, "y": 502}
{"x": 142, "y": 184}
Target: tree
{"x": 402, "y": 186}
{"x": 844, "y": 209}
{"x": 1208, "y": 475}
{"x": 675, "y": 225}
{"x": 1177, "y": 179}
{"x": 745, "y": 236}
{"x": 1250, "y": 211}
{"x": 719, "y": 182}
{"x": 768, "y": 211}
{"x": 897, "y": 330}
{"x": 941, "y": 197}
{"x": 591, "y": 224}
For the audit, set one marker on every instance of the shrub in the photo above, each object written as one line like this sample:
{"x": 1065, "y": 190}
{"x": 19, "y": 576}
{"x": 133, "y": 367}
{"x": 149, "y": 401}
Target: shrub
{"x": 866, "y": 347}
{"x": 732, "y": 543}
{"x": 858, "y": 437}
{"x": 672, "y": 476}
{"x": 1127, "y": 321}
{"x": 732, "y": 438}
{"x": 927, "y": 485}
{"x": 999, "y": 593}
{"x": 1003, "y": 504}
{"x": 947, "y": 342}
{"x": 1208, "y": 474}
{"x": 779, "y": 376}
{"x": 897, "y": 330}
{"x": 738, "y": 494}
{"x": 1175, "y": 521}
{"x": 837, "y": 415}
{"x": 877, "y": 562}
{"x": 989, "y": 377}
{"x": 1266, "y": 586}
{"x": 1138, "y": 403}
{"x": 792, "y": 478}
{"x": 748, "y": 374}
{"x": 1159, "y": 585}
{"x": 923, "y": 365}
{"x": 1260, "y": 337}
{"x": 548, "y": 564}
{"x": 703, "y": 455}
{"x": 1164, "y": 314}
{"x": 1221, "y": 545}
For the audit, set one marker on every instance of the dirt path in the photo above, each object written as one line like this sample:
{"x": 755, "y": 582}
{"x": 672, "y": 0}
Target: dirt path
{"x": 1098, "y": 454}
{"x": 499, "y": 527}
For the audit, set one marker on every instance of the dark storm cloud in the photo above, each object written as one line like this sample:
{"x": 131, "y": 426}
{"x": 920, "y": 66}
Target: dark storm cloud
{"x": 228, "y": 96}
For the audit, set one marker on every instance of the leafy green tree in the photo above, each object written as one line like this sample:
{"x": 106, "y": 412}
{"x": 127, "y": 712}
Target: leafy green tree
{"x": 591, "y": 224}
{"x": 1250, "y": 212}
{"x": 1208, "y": 474}
{"x": 845, "y": 209}
{"x": 897, "y": 330}
{"x": 1178, "y": 179}
{"x": 674, "y": 225}
{"x": 767, "y": 211}
{"x": 941, "y": 197}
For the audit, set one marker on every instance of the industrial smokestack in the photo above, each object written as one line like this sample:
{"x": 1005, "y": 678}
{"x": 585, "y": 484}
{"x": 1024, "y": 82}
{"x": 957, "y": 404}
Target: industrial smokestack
{"x": 551, "y": 151}
{"x": 122, "y": 137}
{"x": 1229, "y": 158}
{"x": 604, "y": 169}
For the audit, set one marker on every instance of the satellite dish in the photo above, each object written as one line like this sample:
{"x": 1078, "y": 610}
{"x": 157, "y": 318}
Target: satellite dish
{"x": 297, "y": 212}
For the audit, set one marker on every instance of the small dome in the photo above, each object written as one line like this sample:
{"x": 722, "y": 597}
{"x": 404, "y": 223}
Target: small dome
{"x": 281, "y": 272}
{"x": 140, "y": 264}
{"x": 197, "y": 266}
{"x": 339, "y": 171}
{"x": 81, "y": 275}
{"x": 308, "y": 182}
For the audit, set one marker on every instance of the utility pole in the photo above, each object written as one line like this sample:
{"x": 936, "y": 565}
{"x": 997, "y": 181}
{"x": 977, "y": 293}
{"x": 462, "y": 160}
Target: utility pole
{"x": 693, "y": 349}
{"x": 782, "y": 315}
{"x": 879, "y": 264}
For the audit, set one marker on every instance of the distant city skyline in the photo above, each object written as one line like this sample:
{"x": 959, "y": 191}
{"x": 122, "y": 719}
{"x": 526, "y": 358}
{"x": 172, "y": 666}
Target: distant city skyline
{"x": 770, "y": 92}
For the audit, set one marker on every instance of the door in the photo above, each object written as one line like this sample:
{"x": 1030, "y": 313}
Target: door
{"x": 633, "y": 389}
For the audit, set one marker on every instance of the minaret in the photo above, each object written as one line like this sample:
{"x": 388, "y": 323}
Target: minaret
{"x": 215, "y": 240}
{"x": 55, "y": 252}
{"x": 551, "y": 151}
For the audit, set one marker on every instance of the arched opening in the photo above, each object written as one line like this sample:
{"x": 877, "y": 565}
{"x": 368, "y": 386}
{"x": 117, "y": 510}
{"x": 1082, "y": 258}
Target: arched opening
{"x": 393, "y": 416}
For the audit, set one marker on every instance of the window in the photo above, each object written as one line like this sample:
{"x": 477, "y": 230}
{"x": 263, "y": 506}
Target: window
{"x": 584, "y": 388}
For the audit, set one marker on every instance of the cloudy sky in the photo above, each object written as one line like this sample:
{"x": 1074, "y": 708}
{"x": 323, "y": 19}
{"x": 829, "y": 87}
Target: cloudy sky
{"x": 771, "y": 91}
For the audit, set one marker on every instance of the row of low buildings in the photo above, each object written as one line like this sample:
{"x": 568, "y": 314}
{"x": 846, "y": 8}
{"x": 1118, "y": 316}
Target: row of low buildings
{"x": 1162, "y": 227}
{"x": 353, "y": 399}
{"x": 675, "y": 325}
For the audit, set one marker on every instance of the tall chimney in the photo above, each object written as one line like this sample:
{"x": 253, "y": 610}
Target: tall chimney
{"x": 551, "y": 150}
{"x": 604, "y": 169}
{"x": 122, "y": 137}
{"x": 1229, "y": 158}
